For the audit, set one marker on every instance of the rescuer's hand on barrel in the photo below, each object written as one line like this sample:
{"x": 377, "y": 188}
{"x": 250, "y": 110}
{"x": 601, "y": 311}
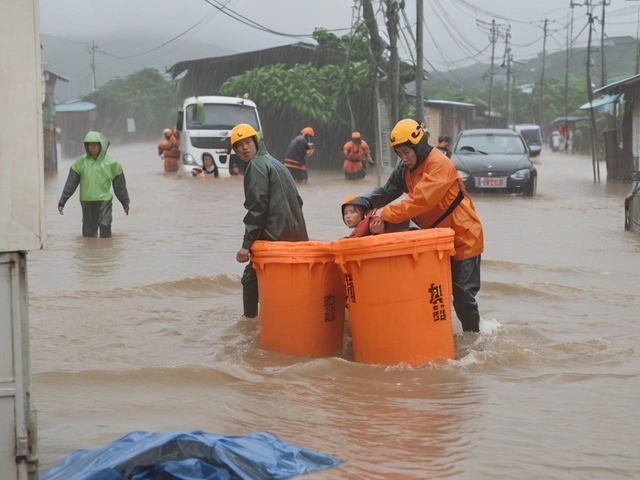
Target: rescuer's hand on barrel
{"x": 243, "y": 255}
{"x": 376, "y": 225}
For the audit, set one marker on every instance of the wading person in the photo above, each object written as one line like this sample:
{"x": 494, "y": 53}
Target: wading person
{"x": 355, "y": 152}
{"x": 209, "y": 167}
{"x": 436, "y": 198}
{"x": 274, "y": 207}
{"x": 95, "y": 172}
{"x": 169, "y": 150}
{"x": 299, "y": 149}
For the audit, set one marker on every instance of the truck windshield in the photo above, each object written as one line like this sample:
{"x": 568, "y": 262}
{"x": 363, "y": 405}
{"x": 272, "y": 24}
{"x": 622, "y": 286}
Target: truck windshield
{"x": 216, "y": 116}
{"x": 531, "y": 136}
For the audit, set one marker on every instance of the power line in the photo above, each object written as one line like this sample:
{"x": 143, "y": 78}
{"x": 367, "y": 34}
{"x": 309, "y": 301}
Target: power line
{"x": 488, "y": 13}
{"x": 250, "y": 23}
{"x": 205, "y": 19}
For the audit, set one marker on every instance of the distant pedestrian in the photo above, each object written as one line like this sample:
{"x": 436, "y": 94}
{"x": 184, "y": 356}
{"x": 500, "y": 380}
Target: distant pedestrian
{"x": 169, "y": 150}
{"x": 295, "y": 158}
{"x": 444, "y": 142}
{"x": 95, "y": 172}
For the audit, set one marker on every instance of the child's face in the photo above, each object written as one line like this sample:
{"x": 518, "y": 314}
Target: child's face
{"x": 207, "y": 161}
{"x": 352, "y": 216}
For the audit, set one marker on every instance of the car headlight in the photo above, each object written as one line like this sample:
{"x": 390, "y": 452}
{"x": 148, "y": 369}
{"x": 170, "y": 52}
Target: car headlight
{"x": 464, "y": 176}
{"x": 521, "y": 175}
{"x": 188, "y": 159}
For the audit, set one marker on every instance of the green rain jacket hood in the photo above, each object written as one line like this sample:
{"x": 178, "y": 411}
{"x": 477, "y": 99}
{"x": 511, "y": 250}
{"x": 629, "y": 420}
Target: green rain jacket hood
{"x": 96, "y": 175}
{"x": 274, "y": 207}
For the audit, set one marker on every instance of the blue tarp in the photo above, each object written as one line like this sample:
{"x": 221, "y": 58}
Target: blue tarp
{"x": 192, "y": 455}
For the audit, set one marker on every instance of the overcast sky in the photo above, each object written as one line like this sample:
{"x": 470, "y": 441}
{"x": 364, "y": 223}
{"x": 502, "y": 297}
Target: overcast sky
{"x": 453, "y": 38}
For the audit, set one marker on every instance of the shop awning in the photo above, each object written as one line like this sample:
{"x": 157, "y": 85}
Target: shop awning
{"x": 606, "y": 100}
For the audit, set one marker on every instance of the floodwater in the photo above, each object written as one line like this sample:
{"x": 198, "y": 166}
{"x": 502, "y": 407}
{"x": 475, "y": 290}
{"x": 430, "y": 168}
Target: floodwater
{"x": 144, "y": 332}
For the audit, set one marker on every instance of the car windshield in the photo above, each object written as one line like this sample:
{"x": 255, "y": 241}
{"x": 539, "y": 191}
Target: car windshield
{"x": 490, "y": 144}
{"x": 215, "y": 116}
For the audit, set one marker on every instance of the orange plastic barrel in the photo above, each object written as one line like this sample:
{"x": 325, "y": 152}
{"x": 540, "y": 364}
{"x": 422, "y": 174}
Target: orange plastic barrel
{"x": 399, "y": 294}
{"x": 302, "y": 301}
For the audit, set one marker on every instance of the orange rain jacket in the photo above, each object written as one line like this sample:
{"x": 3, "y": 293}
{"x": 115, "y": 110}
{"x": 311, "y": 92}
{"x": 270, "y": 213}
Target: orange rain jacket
{"x": 354, "y": 154}
{"x": 432, "y": 186}
{"x": 170, "y": 146}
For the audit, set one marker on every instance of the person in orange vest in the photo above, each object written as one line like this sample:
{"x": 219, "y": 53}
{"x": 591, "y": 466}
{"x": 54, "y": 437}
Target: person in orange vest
{"x": 169, "y": 151}
{"x": 295, "y": 158}
{"x": 355, "y": 152}
{"x": 436, "y": 198}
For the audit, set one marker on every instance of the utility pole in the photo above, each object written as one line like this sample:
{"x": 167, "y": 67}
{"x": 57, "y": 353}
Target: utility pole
{"x": 638, "y": 44}
{"x": 92, "y": 51}
{"x": 394, "y": 62}
{"x": 492, "y": 36}
{"x": 420, "y": 61}
{"x": 544, "y": 59}
{"x": 509, "y": 58}
{"x": 566, "y": 77}
{"x": 510, "y": 81}
{"x": 594, "y": 154}
{"x": 603, "y": 74}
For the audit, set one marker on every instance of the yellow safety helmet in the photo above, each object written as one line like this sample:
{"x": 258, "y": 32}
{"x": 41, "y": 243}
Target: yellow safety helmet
{"x": 242, "y": 131}
{"x": 406, "y": 131}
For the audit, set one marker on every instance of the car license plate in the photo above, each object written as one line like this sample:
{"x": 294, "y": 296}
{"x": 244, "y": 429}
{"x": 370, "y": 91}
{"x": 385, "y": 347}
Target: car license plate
{"x": 491, "y": 182}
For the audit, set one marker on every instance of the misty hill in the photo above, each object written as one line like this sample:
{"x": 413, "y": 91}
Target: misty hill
{"x": 71, "y": 58}
{"x": 620, "y": 56}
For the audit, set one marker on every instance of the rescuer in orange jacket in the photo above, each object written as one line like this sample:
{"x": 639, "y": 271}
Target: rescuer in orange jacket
{"x": 295, "y": 158}
{"x": 436, "y": 198}
{"x": 169, "y": 150}
{"x": 355, "y": 152}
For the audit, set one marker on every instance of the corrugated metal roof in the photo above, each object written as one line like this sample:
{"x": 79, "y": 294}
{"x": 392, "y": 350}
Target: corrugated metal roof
{"x": 75, "y": 106}
{"x": 448, "y": 102}
{"x": 57, "y": 75}
{"x": 607, "y": 99}
{"x": 619, "y": 83}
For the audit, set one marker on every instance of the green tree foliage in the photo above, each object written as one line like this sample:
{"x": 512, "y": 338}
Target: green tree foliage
{"x": 352, "y": 47}
{"x": 314, "y": 93}
{"x": 145, "y": 96}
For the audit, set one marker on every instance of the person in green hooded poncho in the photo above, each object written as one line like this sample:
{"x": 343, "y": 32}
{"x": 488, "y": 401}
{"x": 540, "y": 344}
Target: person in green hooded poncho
{"x": 273, "y": 204}
{"x": 95, "y": 172}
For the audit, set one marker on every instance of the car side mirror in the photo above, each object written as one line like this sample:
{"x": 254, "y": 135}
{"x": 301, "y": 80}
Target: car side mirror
{"x": 634, "y": 176}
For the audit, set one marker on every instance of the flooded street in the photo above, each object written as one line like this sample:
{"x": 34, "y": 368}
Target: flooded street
{"x": 144, "y": 332}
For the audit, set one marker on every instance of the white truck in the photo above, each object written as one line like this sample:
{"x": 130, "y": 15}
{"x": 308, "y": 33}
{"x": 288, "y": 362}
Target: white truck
{"x": 533, "y": 136}
{"x": 205, "y": 124}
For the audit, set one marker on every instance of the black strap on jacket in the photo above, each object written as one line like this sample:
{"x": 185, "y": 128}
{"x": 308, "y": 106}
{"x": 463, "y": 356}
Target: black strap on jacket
{"x": 452, "y": 207}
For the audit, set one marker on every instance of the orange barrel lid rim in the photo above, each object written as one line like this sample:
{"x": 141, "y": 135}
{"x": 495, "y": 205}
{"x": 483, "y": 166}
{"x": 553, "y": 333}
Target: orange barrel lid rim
{"x": 264, "y": 251}
{"x": 394, "y": 244}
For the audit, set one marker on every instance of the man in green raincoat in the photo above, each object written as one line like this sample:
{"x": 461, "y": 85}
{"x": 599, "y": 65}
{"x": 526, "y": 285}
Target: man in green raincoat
{"x": 95, "y": 172}
{"x": 274, "y": 206}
